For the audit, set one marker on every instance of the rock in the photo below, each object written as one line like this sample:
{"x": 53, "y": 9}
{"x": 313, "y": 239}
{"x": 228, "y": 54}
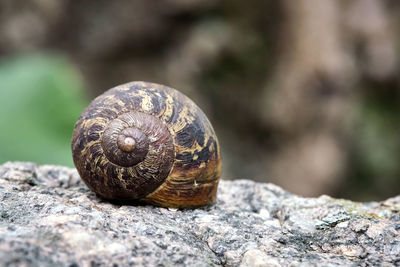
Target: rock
{"x": 48, "y": 217}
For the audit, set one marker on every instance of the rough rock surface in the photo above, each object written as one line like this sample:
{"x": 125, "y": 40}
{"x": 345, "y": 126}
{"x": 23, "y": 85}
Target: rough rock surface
{"x": 48, "y": 217}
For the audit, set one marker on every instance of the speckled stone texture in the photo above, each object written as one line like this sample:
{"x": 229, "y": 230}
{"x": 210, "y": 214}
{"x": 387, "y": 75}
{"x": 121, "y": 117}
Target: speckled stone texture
{"x": 48, "y": 217}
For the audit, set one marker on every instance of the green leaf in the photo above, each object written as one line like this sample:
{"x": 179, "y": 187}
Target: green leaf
{"x": 41, "y": 97}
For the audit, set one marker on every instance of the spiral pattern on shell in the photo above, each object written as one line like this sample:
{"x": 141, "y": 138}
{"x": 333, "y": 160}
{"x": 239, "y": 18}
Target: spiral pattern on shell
{"x": 150, "y": 142}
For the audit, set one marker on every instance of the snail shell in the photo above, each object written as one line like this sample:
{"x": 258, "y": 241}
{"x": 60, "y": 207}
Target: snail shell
{"x": 145, "y": 141}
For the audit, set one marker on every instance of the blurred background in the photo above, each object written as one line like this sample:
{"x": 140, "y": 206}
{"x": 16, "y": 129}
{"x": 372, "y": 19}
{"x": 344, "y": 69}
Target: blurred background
{"x": 304, "y": 94}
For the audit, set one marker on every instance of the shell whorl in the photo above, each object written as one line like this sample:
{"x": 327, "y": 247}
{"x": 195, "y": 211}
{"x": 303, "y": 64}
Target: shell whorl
{"x": 134, "y": 137}
{"x": 143, "y": 144}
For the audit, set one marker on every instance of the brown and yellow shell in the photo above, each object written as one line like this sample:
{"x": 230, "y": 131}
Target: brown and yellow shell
{"x": 145, "y": 141}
